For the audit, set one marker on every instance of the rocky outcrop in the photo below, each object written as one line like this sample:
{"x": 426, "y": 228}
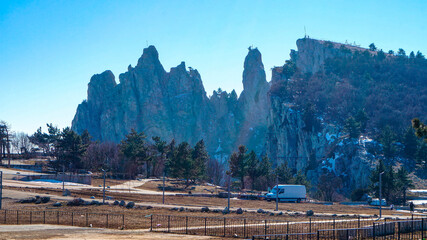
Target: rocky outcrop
{"x": 174, "y": 105}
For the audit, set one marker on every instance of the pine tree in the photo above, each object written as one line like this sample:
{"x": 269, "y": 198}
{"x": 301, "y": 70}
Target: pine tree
{"x": 420, "y": 129}
{"x": 252, "y": 167}
{"x": 362, "y": 119}
{"x": 237, "y": 163}
{"x": 421, "y": 156}
{"x": 410, "y": 143}
{"x": 403, "y": 183}
{"x": 284, "y": 173}
{"x": 301, "y": 179}
{"x": 387, "y": 139}
{"x": 200, "y": 159}
{"x": 352, "y": 128}
{"x": 135, "y": 149}
{"x": 372, "y": 47}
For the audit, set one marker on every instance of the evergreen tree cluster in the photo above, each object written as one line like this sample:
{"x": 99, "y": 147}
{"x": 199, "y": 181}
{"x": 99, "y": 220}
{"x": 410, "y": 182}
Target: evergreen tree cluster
{"x": 247, "y": 167}
{"x": 394, "y": 183}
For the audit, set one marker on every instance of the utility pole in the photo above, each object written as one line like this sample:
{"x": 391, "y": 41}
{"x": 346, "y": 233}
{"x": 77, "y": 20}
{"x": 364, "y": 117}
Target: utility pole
{"x": 277, "y": 192}
{"x": 63, "y": 180}
{"x": 103, "y": 191}
{"x": 1, "y": 187}
{"x": 381, "y": 192}
{"x": 228, "y": 186}
{"x": 163, "y": 200}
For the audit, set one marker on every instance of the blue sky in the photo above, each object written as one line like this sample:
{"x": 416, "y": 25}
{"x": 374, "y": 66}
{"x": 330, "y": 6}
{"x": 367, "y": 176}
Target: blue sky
{"x": 50, "y": 49}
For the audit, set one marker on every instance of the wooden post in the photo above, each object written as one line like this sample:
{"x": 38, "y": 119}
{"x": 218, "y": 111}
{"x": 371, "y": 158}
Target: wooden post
{"x": 107, "y": 220}
{"x": 186, "y": 224}
{"x": 151, "y": 223}
{"x": 169, "y": 223}
{"x": 205, "y": 226}
{"x": 57, "y": 218}
{"x": 265, "y": 227}
{"x": 398, "y": 230}
{"x": 123, "y": 220}
{"x": 5, "y": 215}
{"x": 44, "y": 217}
{"x": 87, "y": 219}
{"x": 244, "y": 228}
{"x": 373, "y": 230}
{"x": 31, "y": 217}
{"x": 72, "y": 218}
{"x": 17, "y": 217}
{"x": 224, "y": 227}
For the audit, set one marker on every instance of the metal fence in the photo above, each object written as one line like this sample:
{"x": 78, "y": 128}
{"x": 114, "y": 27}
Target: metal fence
{"x": 82, "y": 219}
{"x": 279, "y": 229}
{"x": 406, "y": 229}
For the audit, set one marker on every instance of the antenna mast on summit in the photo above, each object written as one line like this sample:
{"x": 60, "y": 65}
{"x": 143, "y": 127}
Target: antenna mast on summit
{"x": 305, "y": 33}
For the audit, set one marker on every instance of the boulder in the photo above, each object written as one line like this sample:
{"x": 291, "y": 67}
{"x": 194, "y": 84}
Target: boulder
{"x": 309, "y": 213}
{"x": 226, "y": 210}
{"x": 239, "y": 211}
{"x": 66, "y": 192}
{"x": 130, "y": 205}
{"x": 122, "y": 203}
{"x": 45, "y": 199}
{"x": 116, "y": 203}
{"x": 57, "y": 204}
{"x": 205, "y": 209}
{"x": 181, "y": 209}
{"x": 260, "y": 210}
{"x": 149, "y": 207}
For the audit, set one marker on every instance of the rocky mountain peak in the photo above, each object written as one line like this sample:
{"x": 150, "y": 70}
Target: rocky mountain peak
{"x": 149, "y": 59}
{"x": 253, "y": 74}
{"x": 99, "y": 85}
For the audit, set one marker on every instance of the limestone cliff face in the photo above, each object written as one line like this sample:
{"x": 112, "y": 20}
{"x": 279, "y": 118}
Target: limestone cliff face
{"x": 314, "y": 150}
{"x": 174, "y": 105}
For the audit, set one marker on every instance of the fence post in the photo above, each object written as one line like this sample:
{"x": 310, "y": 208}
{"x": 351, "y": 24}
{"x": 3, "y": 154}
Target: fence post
{"x": 72, "y": 218}
{"x": 169, "y": 223}
{"x": 373, "y": 231}
{"x": 333, "y": 231}
{"x": 310, "y": 226}
{"x": 5, "y": 214}
{"x": 151, "y": 223}
{"x": 17, "y": 217}
{"x": 205, "y": 226}
{"x": 186, "y": 224}
{"x": 87, "y": 219}
{"x": 244, "y": 228}
{"x": 57, "y": 218}
{"x": 265, "y": 227}
{"x": 398, "y": 230}
{"x": 318, "y": 235}
{"x": 347, "y": 234}
{"x": 44, "y": 217}
{"x": 422, "y": 228}
{"x": 123, "y": 221}
{"x": 31, "y": 217}
{"x": 412, "y": 227}
{"x": 224, "y": 227}
{"x": 107, "y": 220}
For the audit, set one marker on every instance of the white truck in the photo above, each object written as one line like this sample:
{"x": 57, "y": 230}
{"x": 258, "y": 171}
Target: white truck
{"x": 288, "y": 193}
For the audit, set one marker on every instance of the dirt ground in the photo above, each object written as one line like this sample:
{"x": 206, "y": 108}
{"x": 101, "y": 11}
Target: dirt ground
{"x": 179, "y": 187}
{"x": 66, "y": 232}
{"x": 190, "y": 201}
